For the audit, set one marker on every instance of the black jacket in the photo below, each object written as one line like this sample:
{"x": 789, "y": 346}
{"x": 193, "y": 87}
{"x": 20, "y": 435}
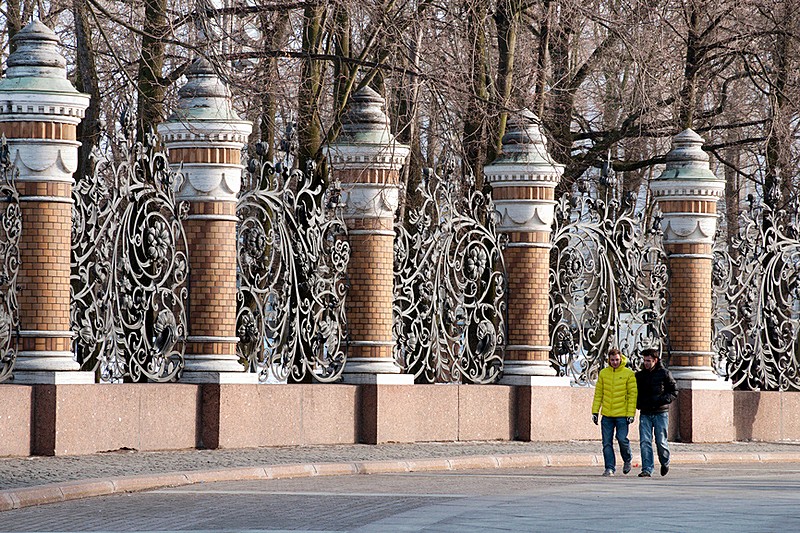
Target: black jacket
{"x": 657, "y": 389}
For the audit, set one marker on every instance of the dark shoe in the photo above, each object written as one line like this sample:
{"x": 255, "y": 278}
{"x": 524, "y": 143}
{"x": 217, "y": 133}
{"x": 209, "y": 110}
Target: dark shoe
{"x": 608, "y": 472}
{"x": 644, "y": 474}
{"x": 626, "y": 468}
{"x": 664, "y": 470}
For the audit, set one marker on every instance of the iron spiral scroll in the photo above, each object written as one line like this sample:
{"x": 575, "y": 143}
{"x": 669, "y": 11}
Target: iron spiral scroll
{"x": 292, "y": 259}
{"x": 129, "y": 266}
{"x": 756, "y": 308}
{"x": 450, "y": 285}
{"x": 10, "y": 232}
{"x": 608, "y": 279}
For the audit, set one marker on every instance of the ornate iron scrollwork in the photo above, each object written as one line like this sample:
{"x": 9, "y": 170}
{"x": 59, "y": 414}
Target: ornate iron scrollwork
{"x": 10, "y": 231}
{"x": 130, "y": 266}
{"x": 757, "y": 300}
{"x": 608, "y": 283}
{"x": 450, "y": 284}
{"x": 292, "y": 259}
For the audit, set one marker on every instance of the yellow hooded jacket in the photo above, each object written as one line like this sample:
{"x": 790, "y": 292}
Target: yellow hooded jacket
{"x": 615, "y": 391}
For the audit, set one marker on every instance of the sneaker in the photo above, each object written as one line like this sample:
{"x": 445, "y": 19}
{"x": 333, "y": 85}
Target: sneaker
{"x": 644, "y": 474}
{"x": 626, "y": 468}
{"x": 608, "y": 472}
{"x": 664, "y": 470}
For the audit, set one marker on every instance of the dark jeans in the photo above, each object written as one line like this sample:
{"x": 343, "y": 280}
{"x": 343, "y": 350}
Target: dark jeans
{"x": 648, "y": 425}
{"x": 608, "y": 425}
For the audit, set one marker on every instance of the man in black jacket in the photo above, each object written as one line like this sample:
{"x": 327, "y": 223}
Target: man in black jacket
{"x": 657, "y": 389}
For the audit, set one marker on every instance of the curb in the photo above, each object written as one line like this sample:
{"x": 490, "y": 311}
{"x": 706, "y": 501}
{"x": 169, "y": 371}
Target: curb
{"x": 74, "y": 490}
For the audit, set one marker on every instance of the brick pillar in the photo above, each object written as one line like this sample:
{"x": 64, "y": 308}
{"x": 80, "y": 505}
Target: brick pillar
{"x": 367, "y": 160}
{"x": 205, "y": 138}
{"x": 687, "y": 193}
{"x": 39, "y": 112}
{"x": 523, "y": 179}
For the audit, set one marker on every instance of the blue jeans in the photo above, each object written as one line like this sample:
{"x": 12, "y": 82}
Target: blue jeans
{"x": 649, "y": 424}
{"x": 607, "y": 426}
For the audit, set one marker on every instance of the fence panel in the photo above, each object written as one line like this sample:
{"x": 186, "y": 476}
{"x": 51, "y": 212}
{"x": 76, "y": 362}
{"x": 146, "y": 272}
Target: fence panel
{"x": 608, "y": 283}
{"x": 756, "y": 285}
{"x": 292, "y": 261}
{"x": 129, "y": 266}
{"x": 450, "y": 285}
{"x": 10, "y": 231}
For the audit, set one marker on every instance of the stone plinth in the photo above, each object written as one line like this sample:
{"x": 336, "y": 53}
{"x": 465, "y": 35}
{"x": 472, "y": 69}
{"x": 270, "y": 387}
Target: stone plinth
{"x": 420, "y": 413}
{"x": 15, "y": 420}
{"x": 705, "y": 415}
{"x": 86, "y": 419}
{"x": 241, "y": 416}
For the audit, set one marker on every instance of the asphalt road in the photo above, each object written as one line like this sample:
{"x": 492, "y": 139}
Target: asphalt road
{"x": 740, "y": 497}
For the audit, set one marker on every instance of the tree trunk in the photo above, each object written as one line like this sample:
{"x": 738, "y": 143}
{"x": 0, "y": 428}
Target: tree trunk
{"x": 89, "y": 129}
{"x": 541, "y": 58}
{"x": 341, "y": 69}
{"x": 561, "y": 99}
{"x": 776, "y": 179}
{"x": 475, "y": 131}
{"x": 276, "y": 34}
{"x": 309, "y": 128}
{"x": 507, "y": 21}
{"x": 150, "y": 85}
{"x": 688, "y": 95}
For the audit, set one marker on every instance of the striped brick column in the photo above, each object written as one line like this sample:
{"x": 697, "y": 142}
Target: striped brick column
{"x": 39, "y": 112}
{"x": 523, "y": 180}
{"x": 205, "y": 138}
{"x": 687, "y": 193}
{"x": 367, "y": 160}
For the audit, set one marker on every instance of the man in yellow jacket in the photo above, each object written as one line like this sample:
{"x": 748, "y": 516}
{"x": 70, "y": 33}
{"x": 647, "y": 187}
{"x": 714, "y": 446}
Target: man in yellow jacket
{"x": 615, "y": 398}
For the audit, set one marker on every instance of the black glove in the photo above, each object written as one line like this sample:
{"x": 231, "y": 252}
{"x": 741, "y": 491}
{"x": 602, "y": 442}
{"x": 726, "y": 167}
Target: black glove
{"x": 630, "y": 420}
{"x": 594, "y": 418}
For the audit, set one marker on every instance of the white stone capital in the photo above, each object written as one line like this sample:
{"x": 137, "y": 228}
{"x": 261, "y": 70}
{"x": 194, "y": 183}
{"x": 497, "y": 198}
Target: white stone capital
{"x": 367, "y": 200}
{"x": 689, "y": 228}
{"x": 204, "y": 180}
{"x": 44, "y": 159}
{"x": 525, "y": 215}
{"x": 205, "y": 134}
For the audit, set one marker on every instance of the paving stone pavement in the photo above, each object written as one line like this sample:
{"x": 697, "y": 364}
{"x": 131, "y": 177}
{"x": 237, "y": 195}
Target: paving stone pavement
{"x": 33, "y": 471}
{"x": 739, "y": 497}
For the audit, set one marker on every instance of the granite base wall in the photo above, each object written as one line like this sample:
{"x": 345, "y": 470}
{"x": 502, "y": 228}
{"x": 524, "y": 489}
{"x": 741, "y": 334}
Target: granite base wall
{"x": 16, "y": 415}
{"x": 83, "y": 419}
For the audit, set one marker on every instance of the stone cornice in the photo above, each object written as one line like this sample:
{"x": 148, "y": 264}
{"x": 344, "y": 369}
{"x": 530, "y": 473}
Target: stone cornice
{"x": 365, "y": 156}
{"x": 675, "y": 189}
{"x": 200, "y": 134}
{"x": 524, "y": 176}
{"x": 43, "y": 107}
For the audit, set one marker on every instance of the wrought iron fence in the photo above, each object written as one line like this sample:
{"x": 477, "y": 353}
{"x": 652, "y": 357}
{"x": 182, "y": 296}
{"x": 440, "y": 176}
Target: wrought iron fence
{"x": 129, "y": 265}
{"x": 608, "y": 283}
{"x": 10, "y": 231}
{"x": 292, "y": 259}
{"x": 450, "y": 284}
{"x": 756, "y": 283}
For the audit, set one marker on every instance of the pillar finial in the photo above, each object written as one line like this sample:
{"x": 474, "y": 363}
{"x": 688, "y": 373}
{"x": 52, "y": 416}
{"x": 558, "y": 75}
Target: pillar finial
{"x": 524, "y": 162}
